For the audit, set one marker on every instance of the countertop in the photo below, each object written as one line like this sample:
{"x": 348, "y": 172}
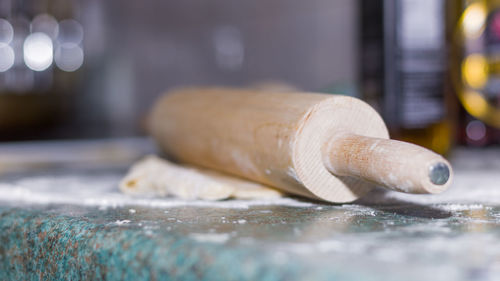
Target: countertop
{"x": 70, "y": 222}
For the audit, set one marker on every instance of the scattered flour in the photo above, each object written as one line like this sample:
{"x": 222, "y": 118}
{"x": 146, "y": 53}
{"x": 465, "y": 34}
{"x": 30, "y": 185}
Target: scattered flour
{"x": 471, "y": 189}
{"x": 460, "y": 207}
{"x": 210, "y": 237}
{"x": 102, "y": 191}
{"x": 291, "y": 172}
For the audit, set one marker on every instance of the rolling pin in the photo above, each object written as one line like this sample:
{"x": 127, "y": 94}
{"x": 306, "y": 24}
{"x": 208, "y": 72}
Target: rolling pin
{"x": 329, "y": 147}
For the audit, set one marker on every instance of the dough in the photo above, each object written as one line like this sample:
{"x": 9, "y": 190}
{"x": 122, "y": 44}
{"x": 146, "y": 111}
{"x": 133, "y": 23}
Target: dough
{"x": 155, "y": 176}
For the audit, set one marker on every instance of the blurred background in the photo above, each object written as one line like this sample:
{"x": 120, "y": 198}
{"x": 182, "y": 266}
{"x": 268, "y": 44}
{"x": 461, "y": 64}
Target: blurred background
{"x": 92, "y": 69}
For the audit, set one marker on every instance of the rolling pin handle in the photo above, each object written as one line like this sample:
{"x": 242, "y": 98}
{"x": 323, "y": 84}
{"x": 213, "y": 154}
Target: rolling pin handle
{"x": 389, "y": 163}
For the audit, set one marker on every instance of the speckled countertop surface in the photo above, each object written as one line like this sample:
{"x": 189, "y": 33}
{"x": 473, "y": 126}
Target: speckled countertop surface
{"x": 72, "y": 224}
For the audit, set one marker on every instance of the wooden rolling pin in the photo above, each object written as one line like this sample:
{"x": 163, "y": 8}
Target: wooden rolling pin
{"x": 328, "y": 147}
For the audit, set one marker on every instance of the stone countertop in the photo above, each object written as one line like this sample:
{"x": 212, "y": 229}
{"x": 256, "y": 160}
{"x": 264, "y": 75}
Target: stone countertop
{"x": 72, "y": 223}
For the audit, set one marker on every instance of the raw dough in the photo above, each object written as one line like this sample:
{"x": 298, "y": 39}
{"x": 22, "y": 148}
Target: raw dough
{"x": 155, "y": 176}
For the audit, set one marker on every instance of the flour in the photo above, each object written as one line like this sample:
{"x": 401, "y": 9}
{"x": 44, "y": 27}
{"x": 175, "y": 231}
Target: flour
{"x": 471, "y": 190}
{"x": 291, "y": 172}
{"x": 210, "y": 237}
{"x": 102, "y": 192}
{"x": 461, "y": 207}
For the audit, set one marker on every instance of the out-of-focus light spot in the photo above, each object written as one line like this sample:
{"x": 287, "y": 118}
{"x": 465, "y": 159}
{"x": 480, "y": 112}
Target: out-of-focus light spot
{"x": 38, "y": 51}
{"x": 475, "y": 104}
{"x": 70, "y": 31}
{"x": 474, "y": 18}
{"x": 475, "y": 130}
{"x": 46, "y": 24}
{"x": 6, "y": 57}
{"x": 6, "y": 32}
{"x": 495, "y": 25}
{"x": 475, "y": 70}
{"x": 69, "y": 57}
{"x": 229, "y": 48}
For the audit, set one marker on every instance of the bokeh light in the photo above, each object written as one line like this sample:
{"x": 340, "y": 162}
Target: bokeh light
{"x": 475, "y": 104}
{"x": 475, "y": 70}
{"x": 46, "y": 24}
{"x": 474, "y": 19}
{"x": 70, "y": 31}
{"x": 69, "y": 57}
{"x": 38, "y": 51}
{"x": 6, "y": 57}
{"x": 475, "y": 130}
{"x": 6, "y": 32}
{"x": 229, "y": 48}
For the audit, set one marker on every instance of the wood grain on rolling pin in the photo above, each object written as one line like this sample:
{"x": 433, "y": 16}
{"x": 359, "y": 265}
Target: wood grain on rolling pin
{"x": 285, "y": 140}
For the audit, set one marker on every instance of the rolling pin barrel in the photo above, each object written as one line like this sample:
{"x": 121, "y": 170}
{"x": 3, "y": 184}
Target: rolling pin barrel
{"x": 327, "y": 147}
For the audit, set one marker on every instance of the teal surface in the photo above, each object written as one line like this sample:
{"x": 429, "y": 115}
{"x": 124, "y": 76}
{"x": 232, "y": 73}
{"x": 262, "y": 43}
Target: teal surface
{"x": 274, "y": 243}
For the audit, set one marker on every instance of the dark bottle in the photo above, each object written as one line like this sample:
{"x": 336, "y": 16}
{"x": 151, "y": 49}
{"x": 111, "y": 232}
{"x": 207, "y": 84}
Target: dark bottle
{"x": 404, "y": 69}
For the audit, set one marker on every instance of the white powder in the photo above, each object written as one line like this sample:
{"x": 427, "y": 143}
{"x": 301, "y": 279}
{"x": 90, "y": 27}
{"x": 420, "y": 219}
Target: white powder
{"x": 460, "y": 207}
{"x": 102, "y": 191}
{"x": 210, "y": 237}
{"x": 291, "y": 172}
{"x": 471, "y": 189}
